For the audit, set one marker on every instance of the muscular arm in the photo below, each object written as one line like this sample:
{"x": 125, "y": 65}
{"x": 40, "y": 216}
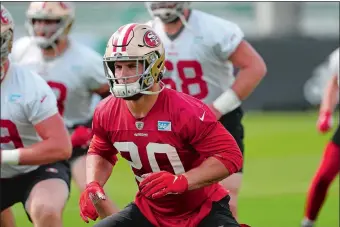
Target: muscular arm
{"x": 331, "y": 96}
{"x": 252, "y": 69}
{"x": 210, "y": 171}
{"x": 222, "y": 156}
{"x": 103, "y": 91}
{"x": 55, "y": 146}
{"x": 97, "y": 169}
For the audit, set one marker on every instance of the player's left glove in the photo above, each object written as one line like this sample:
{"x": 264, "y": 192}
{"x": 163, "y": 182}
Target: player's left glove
{"x": 160, "y": 184}
{"x": 92, "y": 194}
{"x": 81, "y": 137}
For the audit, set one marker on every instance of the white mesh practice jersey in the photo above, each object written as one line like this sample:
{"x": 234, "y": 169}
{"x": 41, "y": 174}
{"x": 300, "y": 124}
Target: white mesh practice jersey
{"x": 72, "y": 76}
{"x": 334, "y": 63}
{"x": 197, "y": 59}
{"x": 26, "y": 100}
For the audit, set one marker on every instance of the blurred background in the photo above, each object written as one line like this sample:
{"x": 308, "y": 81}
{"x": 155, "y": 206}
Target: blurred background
{"x": 283, "y": 148}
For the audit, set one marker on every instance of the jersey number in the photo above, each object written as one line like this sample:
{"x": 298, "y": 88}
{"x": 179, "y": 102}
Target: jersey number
{"x": 12, "y": 134}
{"x": 151, "y": 150}
{"x": 60, "y": 91}
{"x": 187, "y": 81}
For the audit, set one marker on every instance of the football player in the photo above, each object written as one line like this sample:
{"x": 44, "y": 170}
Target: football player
{"x": 201, "y": 53}
{"x": 329, "y": 166}
{"x": 177, "y": 149}
{"x": 33, "y": 136}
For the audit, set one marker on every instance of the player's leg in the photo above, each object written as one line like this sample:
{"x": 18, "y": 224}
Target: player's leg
{"x": 128, "y": 217}
{"x": 326, "y": 173}
{"x": 232, "y": 122}
{"x": 78, "y": 167}
{"x": 7, "y": 218}
{"x": 12, "y": 190}
{"x": 49, "y": 191}
{"x": 220, "y": 215}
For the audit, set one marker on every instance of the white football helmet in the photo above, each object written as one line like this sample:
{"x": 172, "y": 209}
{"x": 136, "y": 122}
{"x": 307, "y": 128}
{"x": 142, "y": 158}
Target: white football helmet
{"x": 167, "y": 11}
{"x": 61, "y": 14}
{"x": 6, "y": 37}
{"x": 134, "y": 42}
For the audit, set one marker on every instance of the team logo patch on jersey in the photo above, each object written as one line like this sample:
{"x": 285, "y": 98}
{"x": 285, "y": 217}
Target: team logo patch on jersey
{"x": 15, "y": 98}
{"x": 139, "y": 125}
{"x": 151, "y": 39}
{"x": 164, "y": 126}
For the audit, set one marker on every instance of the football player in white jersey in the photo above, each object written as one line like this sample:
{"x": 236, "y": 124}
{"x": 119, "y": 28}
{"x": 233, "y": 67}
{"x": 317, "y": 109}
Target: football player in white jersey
{"x": 33, "y": 136}
{"x": 73, "y": 71}
{"x": 201, "y": 51}
{"x": 329, "y": 165}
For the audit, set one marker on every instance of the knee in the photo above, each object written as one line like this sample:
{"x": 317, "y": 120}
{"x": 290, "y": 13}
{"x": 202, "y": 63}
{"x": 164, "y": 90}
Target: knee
{"x": 43, "y": 213}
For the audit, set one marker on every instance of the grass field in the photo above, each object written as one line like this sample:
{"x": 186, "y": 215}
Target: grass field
{"x": 282, "y": 153}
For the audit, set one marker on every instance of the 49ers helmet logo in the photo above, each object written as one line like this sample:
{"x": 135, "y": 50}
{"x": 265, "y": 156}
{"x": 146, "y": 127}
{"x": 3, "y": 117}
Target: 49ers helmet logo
{"x": 5, "y": 18}
{"x": 151, "y": 39}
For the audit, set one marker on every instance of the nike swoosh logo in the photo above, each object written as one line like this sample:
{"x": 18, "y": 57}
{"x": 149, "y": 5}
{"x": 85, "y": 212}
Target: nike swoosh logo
{"x": 43, "y": 98}
{"x": 202, "y": 118}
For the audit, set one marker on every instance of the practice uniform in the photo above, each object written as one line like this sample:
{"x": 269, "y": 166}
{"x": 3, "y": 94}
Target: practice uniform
{"x": 165, "y": 140}
{"x": 197, "y": 61}
{"x": 26, "y": 100}
{"x": 72, "y": 76}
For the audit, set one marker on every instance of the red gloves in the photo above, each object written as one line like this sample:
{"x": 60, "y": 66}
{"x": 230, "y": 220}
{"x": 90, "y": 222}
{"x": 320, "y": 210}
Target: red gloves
{"x": 92, "y": 194}
{"x": 81, "y": 137}
{"x": 160, "y": 184}
{"x": 325, "y": 122}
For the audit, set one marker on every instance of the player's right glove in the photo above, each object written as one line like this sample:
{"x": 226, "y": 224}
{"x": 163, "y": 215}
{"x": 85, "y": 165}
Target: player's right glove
{"x": 92, "y": 194}
{"x": 325, "y": 122}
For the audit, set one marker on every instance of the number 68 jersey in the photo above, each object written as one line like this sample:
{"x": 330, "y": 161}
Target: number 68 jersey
{"x": 26, "y": 100}
{"x": 197, "y": 57}
{"x": 178, "y": 134}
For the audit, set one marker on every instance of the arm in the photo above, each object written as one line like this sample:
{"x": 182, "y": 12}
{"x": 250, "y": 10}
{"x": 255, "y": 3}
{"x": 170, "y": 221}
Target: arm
{"x": 99, "y": 163}
{"x": 231, "y": 47}
{"x": 331, "y": 96}
{"x": 40, "y": 108}
{"x": 221, "y": 153}
{"x": 55, "y": 145}
{"x": 252, "y": 69}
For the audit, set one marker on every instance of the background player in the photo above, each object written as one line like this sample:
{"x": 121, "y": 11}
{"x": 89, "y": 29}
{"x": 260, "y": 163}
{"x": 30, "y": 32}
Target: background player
{"x": 74, "y": 72}
{"x": 177, "y": 162}
{"x": 201, "y": 51}
{"x": 330, "y": 163}
{"x": 32, "y": 136}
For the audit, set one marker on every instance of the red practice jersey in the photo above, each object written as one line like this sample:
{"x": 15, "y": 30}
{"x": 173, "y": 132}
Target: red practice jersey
{"x": 177, "y": 135}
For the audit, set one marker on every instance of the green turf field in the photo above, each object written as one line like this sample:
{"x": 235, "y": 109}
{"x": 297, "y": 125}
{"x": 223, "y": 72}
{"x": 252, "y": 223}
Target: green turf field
{"x": 282, "y": 154}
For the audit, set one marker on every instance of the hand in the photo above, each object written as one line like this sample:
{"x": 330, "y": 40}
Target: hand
{"x": 324, "y": 123}
{"x": 81, "y": 137}
{"x": 160, "y": 184}
{"x": 92, "y": 194}
{"x": 215, "y": 111}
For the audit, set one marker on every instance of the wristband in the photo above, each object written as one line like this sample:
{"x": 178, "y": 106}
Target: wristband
{"x": 10, "y": 156}
{"x": 227, "y": 102}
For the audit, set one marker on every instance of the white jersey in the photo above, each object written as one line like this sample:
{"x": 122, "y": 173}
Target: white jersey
{"x": 334, "y": 63}
{"x": 197, "y": 59}
{"x": 26, "y": 100}
{"x": 72, "y": 76}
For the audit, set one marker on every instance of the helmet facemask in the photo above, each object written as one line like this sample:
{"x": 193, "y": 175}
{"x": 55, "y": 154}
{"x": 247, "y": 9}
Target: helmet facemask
{"x": 167, "y": 12}
{"x": 53, "y": 30}
{"x": 6, "y": 40}
{"x": 122, "y": 88}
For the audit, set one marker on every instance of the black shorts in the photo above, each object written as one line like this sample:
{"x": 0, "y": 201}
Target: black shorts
{"x": 220, "y": 215}
{"x": 18, "y": 189}
{"x": 232, "y": 122}
{"x": 77, "y": 152}
{"x": 336, "y": 136}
